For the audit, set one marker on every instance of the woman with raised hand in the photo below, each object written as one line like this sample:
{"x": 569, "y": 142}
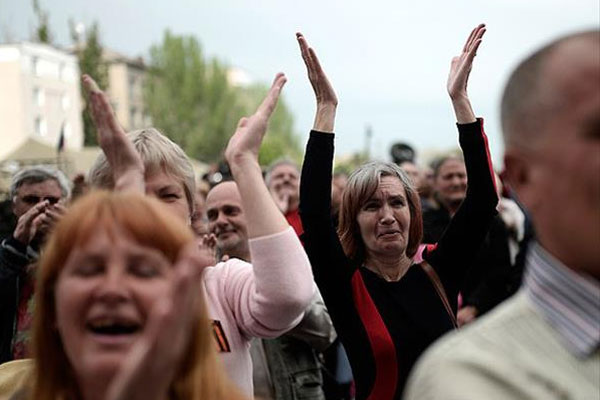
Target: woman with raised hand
{"x": 265, "y": 299}
{"x": 386, "y": 307}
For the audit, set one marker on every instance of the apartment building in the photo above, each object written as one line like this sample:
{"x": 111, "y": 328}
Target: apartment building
{"x": 39, "y": 97}
{"x": 125, "y": 89}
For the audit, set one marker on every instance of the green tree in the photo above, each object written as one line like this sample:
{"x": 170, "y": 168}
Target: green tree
{"x": 281, "y": 140}
{"x": 42, "y": 30}
{"x": 191, "y": 100}
{"x": 91, "y": 62}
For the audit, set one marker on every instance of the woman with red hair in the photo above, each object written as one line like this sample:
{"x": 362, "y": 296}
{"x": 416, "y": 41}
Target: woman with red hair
{"x": 120, "y": 310}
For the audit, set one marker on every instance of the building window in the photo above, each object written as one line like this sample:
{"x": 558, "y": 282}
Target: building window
{"x": 35, "y": 66}
{"x": 41, "y": 128}
{"x": 39, "y": 96}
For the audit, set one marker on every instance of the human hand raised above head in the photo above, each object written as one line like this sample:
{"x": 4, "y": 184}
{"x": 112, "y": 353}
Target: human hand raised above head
{"x": 325, "y": 95}
{"x": 123, "y": 158}
{"x": 245, "y": 143}
{"x": 460, "y": 69}
{"x": 461, "y": 65}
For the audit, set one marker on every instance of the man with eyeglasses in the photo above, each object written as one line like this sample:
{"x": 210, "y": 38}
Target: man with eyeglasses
{"x": 37, "y": 194}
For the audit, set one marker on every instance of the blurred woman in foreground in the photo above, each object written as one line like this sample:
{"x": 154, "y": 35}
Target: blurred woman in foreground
{"x": 120, "y": 311}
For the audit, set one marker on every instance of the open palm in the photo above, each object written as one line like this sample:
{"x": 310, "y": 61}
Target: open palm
{"x": 251, "y": 130}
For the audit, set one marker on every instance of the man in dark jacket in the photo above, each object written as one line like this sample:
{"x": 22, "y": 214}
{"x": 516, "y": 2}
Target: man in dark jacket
{"x": 36, "y": 193}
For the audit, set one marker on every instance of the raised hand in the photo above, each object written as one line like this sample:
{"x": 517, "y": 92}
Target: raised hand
{"x": 124, "y": 160}
{"x": 460, "y": 68}
{"x": 152, "y": 362}
{"x": 245, "y": 142}
{"x": 26, "y": 228}
{"x": 461, "y": 65}
{"x": 262, "y": 215}
{"x": 325, "y": 95}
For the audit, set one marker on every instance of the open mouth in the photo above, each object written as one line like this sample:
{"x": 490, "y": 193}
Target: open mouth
{"x": 113, "y": 327}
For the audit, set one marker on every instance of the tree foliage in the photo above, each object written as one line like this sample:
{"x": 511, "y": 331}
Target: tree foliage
{"x": 91, "y": 62}
{"x": 42, "y": 30}
{"x": 190, "y": 99}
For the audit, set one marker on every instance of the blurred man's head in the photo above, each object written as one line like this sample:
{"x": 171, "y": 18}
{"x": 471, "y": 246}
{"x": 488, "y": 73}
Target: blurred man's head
{"x": 412, "y": 171}
{"x": 427, "y": 182}
{"x": 227, "y": 221}
{"x": 551, "y": 126}
{"x": 283, "y": 181}
{"x": 450, "y": 181}
{"x": 32, "y": 185}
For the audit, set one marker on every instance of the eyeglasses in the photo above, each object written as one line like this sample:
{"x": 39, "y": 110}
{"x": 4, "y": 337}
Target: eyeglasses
{"x": 30, "y": 199}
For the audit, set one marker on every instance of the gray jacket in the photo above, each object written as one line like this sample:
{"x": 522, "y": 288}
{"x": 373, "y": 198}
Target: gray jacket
{"x": 293, "y": 366}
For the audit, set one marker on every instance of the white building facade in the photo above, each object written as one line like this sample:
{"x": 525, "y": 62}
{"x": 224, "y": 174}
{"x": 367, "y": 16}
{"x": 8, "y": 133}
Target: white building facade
{"x": 39, "y": 97}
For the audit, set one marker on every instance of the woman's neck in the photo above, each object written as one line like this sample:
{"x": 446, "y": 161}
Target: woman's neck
{"x": 391, "y": 269}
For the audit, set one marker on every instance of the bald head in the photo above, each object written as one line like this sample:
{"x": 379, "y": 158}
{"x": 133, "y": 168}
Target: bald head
{"x": 227, "y": 221}
{"x": 540, "y": 87}
{"x": 551, "y": 124}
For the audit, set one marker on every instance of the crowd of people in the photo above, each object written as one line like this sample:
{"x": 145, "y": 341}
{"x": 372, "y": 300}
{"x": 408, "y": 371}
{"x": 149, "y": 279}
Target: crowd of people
{"x": 135, "y": 281}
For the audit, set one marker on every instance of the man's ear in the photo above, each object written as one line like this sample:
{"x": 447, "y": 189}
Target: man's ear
{"x": 519, "y": 173}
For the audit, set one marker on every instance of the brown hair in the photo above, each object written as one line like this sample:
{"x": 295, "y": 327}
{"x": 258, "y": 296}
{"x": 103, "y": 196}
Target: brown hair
{"x": 199, "y": 375}
{"x": 362, "y": 184}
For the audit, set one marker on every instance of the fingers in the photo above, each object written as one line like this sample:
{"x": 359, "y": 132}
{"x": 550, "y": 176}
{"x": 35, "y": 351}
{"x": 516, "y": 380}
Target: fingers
{"x": 100, "y": 107}
{"x": 475, "y": 35}
{"x": 309, "y": 56}
{"x": 267, "y": 107}
{"x": 90, "y": 84}
{"x": 304, "y": 51}
{"x": 472, "y": 36}
{"x": 242, "y": 123}
{"x": 473, "y": 52}
{"x": 469, "y": 38}
{"x": 26, "y": 219}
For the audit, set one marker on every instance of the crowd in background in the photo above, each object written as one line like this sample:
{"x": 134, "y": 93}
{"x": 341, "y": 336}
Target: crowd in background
{"x": 138, "y": 280}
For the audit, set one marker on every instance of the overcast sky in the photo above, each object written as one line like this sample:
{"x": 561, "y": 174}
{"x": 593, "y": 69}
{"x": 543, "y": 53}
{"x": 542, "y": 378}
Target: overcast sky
{"x": 388, "y": 60}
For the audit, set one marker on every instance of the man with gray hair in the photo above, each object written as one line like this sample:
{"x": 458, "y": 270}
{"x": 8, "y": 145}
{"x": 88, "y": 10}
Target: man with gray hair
{"x": 36, "y": 194}
{"x": 283, "y": 180}
{"x": 544, "y": 342}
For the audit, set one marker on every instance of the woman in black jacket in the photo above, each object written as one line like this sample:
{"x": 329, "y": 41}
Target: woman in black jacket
{"x": 388, "y": 301}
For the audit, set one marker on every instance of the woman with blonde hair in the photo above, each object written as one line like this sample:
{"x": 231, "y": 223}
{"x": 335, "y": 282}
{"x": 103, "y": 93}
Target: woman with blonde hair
{"x": 120, "y": 312}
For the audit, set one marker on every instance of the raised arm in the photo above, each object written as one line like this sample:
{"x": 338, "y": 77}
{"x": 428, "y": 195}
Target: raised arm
{"x": 325, "y": 95}
{"x": 467, "y": 229}
{"x": 262, "y": 214}
{"x": 460, "y": 68}
{"x": 271, "y": 297}
{"x": 125, "y": 162}
{"x": 330, "y": 265}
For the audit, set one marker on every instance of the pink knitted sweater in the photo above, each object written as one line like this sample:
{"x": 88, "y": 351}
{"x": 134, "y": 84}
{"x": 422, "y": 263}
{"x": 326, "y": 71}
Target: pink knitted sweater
{"x": 265, "y": 299}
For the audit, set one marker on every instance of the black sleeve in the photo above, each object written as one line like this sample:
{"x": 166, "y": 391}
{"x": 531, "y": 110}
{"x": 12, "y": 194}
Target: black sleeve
{"x": 13, "y": 258}
{"x": 487, "y": 283}
{"x": 463, "y": 237}
{"x": 331, "y": 269}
